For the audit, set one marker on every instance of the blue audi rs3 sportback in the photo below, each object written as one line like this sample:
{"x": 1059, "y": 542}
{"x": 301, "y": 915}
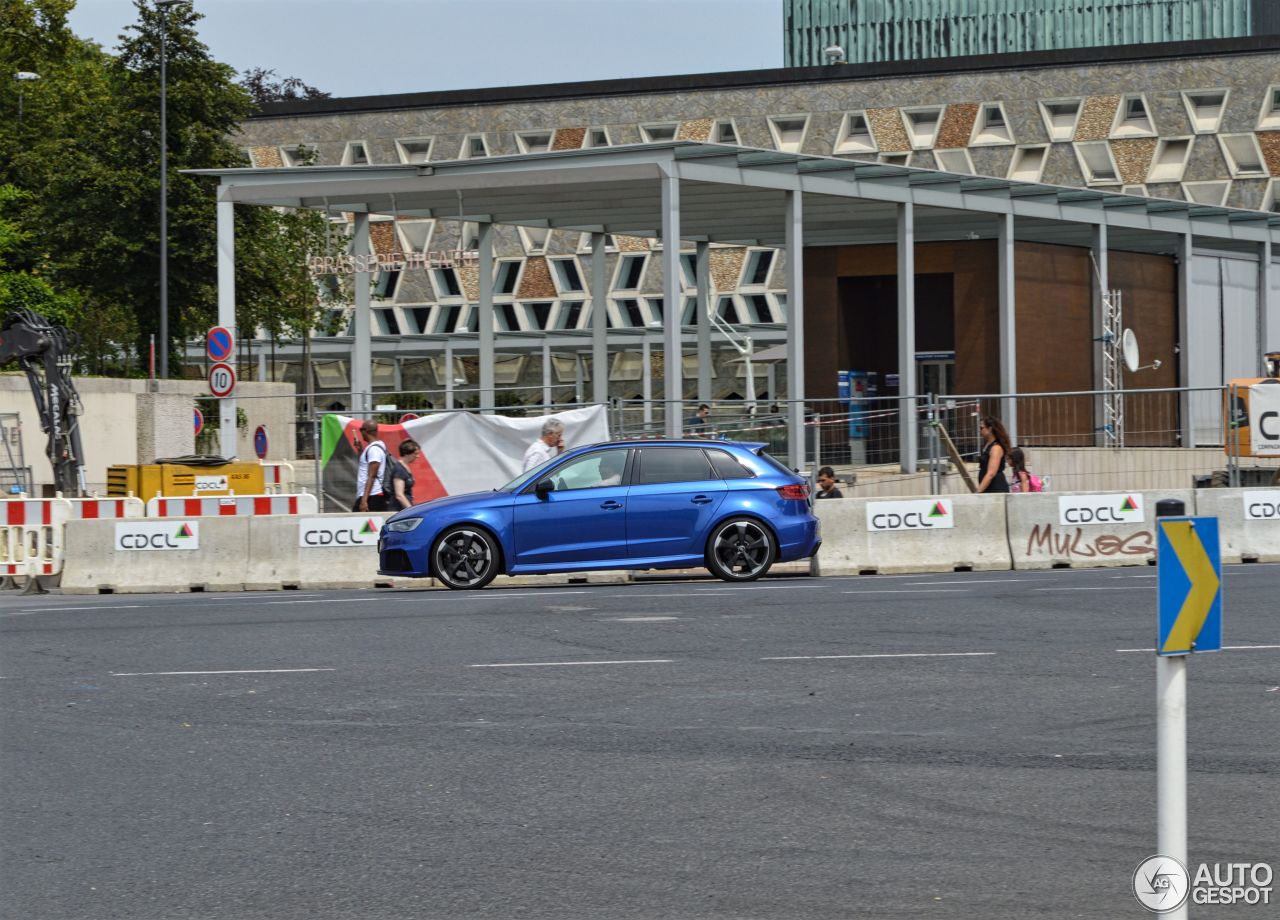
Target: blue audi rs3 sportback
{"x": 621, "y": 505}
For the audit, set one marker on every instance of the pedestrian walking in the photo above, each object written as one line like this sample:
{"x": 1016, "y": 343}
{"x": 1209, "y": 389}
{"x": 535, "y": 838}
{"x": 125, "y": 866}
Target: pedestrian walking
{"x": 995, "y": 451}
{"x": 401, "y": 477}
{"x": 828, "y": 487}
{"x": 697, "y": 423}
{"x": 1023, "y": 480}
{"x": 370, "y": 495}
{"x": 550, "y": 444}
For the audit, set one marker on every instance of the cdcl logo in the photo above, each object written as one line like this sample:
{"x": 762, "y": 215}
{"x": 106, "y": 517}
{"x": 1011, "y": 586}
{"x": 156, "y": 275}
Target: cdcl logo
{"x": 930, "y": 514}
{"x": 157, "y": 535}
{"x": 317, "y": 532}
{"x": 1100, "y": 509}
{"x": 1261, "y": 505}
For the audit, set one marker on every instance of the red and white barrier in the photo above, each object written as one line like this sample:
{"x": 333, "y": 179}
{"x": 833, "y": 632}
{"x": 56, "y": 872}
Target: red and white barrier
{"x": 278, "y": 476}
{"x": 232, "y": 506}
{"x": 92, "y": 509}
{"x": 31, "y": 531}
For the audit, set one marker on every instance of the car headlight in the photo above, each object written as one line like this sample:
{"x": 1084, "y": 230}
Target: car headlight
{"x": 404, "y": 525}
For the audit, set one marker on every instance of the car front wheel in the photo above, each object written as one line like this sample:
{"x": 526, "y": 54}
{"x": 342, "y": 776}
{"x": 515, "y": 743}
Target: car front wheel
{"x": 465, "y": 557}
{"x": 740, "y": 549}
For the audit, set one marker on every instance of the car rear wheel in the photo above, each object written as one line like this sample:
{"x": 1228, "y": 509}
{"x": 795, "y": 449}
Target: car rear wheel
{"x": 465, "y": 557}
{"x": 740, "y": 549}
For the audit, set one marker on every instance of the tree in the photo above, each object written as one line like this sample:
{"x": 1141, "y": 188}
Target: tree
{"x": 267, "y": 86}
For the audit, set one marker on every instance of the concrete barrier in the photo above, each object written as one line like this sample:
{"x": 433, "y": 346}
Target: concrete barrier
{"x": 939, "y": 534}
{"x": 140, "y": 556}
{"x": 1248, "y": 522}
{"x": 1086, "y": 529}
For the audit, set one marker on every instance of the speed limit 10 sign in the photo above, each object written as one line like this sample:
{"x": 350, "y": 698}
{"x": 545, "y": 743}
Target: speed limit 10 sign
{"x": 222, "y": 380}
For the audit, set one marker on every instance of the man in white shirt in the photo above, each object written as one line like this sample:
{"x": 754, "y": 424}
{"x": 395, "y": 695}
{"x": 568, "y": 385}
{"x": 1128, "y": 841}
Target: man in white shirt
{"x": 369, "y": 494}
{"x": 551, "y": 444}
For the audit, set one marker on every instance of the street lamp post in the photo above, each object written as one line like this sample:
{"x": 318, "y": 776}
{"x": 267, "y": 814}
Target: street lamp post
{"x": 22, "y": 76}
{"x": 163, "y": 7}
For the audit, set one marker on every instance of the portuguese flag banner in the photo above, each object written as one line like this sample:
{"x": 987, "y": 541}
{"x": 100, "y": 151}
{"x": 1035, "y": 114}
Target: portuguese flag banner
{"x": 461, "y": 451}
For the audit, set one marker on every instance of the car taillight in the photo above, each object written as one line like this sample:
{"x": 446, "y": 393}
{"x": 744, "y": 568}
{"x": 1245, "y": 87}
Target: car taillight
{"x": 799, "y": 491}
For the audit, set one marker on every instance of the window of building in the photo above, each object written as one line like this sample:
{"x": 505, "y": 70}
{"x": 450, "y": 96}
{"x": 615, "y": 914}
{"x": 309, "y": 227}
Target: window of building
{"x": 385, "y": 284}
{"x": 1133, "y": 118}
{"x": 788, "y": 132}
{"x": 355, "y": 154}
{"x": 724, "y": 132}
{"x": 568, "y": 278}
{"x": 418, "y": 319}
{"x": 415, "y": 235}
{"x": 954, "y": 160}
{"x": 1271, "y": 198}
{"x": 991, "y": 126}
{"x": 673, "y": 464}
{"x": 300, "y": 155}
{"x": 656, "y": 134}
{"x": 569, "y": 316}
{"x": 756, "y": 270}
{"x": 689, "y": 313}
{"x": 629, "y": 312}
{"x": 922, "y": 125}
{"x": 507, "y": 277}
{"x": 653, "y": 310}
{"x": 597, "y": 137}
{"x": 539, "y": 313}
{"x": 1269, "y": 118}
{"x": 727, "y": 309}
{"x": 534, "y": 141}
{"x": 1028, "y": 163}
{"x": 534, "y": 239}
{"x": 446, "y": 318}
{"x": 630, "y": 272}
{"x": 1212, "y": 193}
{"x": 855, "y": 134}
{"x": 1170, "y": 161}
{"x": 1244, "y": 156}
{"x": 689, "y": 269}
{"x": 1140, "y": 190}
{"x": 469, "y": 236}
{"x": 474, "y": 146}
{"x": 414, "y": 149}
{"x": 1096, "y": 163}
{"x": 471, "y": 320}
{"x": 1060, "y": 117}
{"x": 506, "y": 317}
{"x": 895, "y": 159}
{"x": 446, "y": 282}
{"x": 756, "y": 307}
{"x": 1205, "y": 108}
{"x": 387, "y": 322}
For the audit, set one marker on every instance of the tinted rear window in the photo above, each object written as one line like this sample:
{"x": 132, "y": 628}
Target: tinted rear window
{"x": 775, "y": 463}
{"x": 673, "y": 464}
{"x": 728, "y": 468}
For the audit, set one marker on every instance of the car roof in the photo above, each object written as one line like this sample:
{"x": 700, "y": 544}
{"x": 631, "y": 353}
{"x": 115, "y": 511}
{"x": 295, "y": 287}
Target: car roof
{"x": 752, "y": 446}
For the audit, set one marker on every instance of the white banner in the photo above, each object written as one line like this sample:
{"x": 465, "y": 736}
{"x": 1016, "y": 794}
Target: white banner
{"x": 922, "y": 514}
{"x": 1261, "y": 505}
{"x": 338, "y": 531}
{"x": 157, "y": 535}
{"x": 1264, "y": 419}
{"x": 1116, "y": 508}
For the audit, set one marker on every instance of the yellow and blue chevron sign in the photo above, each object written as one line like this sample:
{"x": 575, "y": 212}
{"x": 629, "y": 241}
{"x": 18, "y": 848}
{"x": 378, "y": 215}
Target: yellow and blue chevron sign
{"x": 1188, "y": 585}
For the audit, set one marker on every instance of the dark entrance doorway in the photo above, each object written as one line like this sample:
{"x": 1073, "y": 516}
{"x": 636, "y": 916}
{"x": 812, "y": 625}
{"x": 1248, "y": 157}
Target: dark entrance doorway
{"x": 869, "y": 320}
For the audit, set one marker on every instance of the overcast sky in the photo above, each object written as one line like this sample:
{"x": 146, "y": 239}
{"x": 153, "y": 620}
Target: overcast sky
{"x": 372, "y": 47}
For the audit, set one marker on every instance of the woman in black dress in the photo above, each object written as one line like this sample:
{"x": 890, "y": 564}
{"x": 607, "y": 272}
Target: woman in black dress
{"x": 995, "y": 449}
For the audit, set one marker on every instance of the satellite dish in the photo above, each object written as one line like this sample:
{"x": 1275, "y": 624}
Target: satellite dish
{"x": 1129, "y": 347}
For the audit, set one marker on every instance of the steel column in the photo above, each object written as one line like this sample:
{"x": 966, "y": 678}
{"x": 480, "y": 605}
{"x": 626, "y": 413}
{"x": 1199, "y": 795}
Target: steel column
{"x": 599, "y": 320}
{"x": 1265, "y": 327}
{"x": 795, "y": 330}
{"x": 361, "y": 344}
{"x": 702, "y": 272}
{"x": 1101, "y": 285}
{"x": 1006, "y": 253}
{"x": 546, "y": 378}
{"x": 673, "y": 384}
{"x": 226, "y": 228}
{"x": 485, "y": 317}
{"x": 907, "y": 428}
{"x": 1185, "y": 251}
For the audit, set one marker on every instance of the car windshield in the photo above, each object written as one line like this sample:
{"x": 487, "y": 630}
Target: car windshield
{"x": 515, "y": 484}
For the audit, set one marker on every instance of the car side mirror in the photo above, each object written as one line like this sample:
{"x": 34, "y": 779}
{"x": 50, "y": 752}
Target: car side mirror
{"x": 544, "y": 488}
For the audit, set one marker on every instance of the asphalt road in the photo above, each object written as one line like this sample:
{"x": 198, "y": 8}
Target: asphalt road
{"x": 959, "y": 746}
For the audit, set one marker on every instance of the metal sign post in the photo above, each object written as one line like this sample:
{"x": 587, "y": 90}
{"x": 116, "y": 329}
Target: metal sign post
{"x": 1189, "y": 592}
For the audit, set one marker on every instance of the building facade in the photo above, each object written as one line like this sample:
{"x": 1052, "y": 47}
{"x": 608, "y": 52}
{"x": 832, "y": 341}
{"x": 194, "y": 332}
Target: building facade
{"x": 867, "y": 31}
{"x": 1197, "y": 122}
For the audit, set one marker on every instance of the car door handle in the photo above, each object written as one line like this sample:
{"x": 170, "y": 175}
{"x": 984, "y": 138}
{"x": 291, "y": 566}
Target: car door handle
{"x": 611, "y": 505}
{"x": 701, "y": 500}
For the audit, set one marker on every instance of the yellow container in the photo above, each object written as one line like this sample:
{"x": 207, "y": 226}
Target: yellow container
{"x": 146, "y": 480}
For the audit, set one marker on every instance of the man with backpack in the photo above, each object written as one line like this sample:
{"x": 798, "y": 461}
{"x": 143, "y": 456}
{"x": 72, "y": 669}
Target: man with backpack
{"x": 370, "y": 493}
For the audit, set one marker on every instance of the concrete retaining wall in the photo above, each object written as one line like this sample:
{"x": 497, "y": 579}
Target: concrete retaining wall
{"x": 1086, "y": 529}
{"x": 1248, "y": 522}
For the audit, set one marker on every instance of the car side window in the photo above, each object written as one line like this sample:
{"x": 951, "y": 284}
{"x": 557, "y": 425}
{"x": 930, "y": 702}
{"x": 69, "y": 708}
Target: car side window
{"x": 673, "y": 464}
{"x": 728, "y": 468}
{"x": 596, "y": 470}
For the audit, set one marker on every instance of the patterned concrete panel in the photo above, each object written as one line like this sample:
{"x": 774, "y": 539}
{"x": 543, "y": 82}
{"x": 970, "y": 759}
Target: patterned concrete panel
{"x": 1024, "y": 121}
{"x": 631, "y": 243}
{"x": 1133, "y": 158}
{"x": 535, "y": 281}
{"x": 1168, "y": 113}
{"x": 382, "y": 237}
{"x": 415, "y": 287}
{"x": 265, "y": 157}
{"x": 1061, "y": 167}
{"x": 469, "y": 280}
{"x": 888, "y": 130}
{"x": 1247, "y": 193}
{"x": 1206, "y": 161}
{"x": 1096, "y": 118}
{"x": 1269, "y": 141}
{"x": 568, "y": 138}
{"x": 957, "y": 125}
{"x": 696, "y": 130}
{"x": 726, "y": 267}
{"x": 991, "y": 161}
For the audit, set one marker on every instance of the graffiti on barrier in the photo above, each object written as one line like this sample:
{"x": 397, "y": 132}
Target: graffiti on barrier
{"x": 1073, "y": 542}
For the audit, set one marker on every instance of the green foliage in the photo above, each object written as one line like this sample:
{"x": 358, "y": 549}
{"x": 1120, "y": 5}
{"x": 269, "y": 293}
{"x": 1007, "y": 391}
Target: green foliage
{"x": 86, "y": 154}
